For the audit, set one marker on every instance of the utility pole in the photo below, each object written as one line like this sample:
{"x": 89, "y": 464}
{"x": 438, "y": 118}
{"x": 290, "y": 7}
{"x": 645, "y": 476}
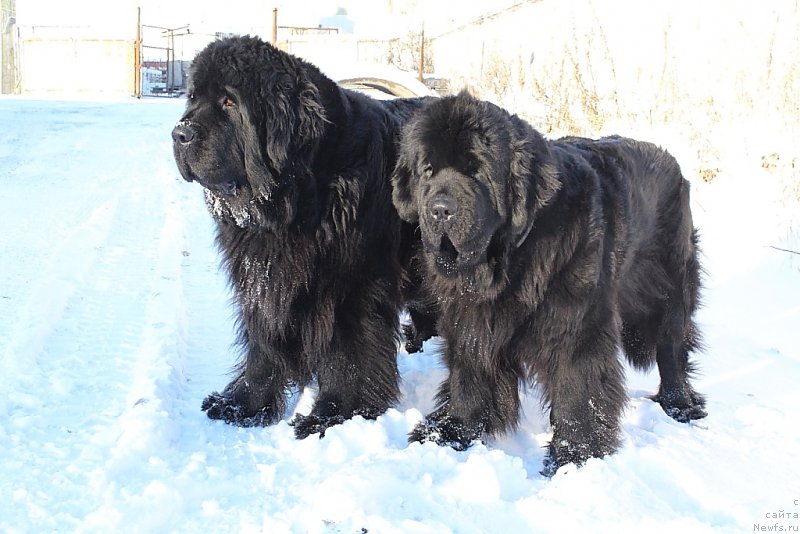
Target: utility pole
{"x": 137, "y": 56}
{"x": 8, "y": 42}
{"x": 274, "y": 25}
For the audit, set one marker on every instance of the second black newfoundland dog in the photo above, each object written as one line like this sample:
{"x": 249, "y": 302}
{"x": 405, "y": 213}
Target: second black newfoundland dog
{"x": 296, "y": 172}
{"x": 547, "y": 257}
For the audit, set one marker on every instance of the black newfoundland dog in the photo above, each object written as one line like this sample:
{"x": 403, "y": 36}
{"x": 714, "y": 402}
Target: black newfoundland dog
{"x": 547, "y": 257}
{"x": 296, "y": 172}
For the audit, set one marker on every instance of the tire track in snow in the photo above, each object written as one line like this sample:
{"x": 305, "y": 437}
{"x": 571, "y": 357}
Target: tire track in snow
{"x": 67, "y": 359}
{"x": 185, "y": 341}
{"x": 92, "y": 367}
{"x": 182, "y": 353}
{"x": 65, "y": 272}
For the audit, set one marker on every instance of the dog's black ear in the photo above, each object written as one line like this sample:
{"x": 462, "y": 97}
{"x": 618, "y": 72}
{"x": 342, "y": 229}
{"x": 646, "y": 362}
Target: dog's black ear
{"x": 403, "y": 181}
{"x": 296, "y": 120}
{"x": 275, "y": 126}
{"x": 534, "y": 178}
{"x": 310, "y": 124}
{"x": 257, "y": 139}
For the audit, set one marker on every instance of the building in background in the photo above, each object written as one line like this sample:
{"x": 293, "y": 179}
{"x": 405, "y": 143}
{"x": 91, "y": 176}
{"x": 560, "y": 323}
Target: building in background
{"x": 51, "y": 46}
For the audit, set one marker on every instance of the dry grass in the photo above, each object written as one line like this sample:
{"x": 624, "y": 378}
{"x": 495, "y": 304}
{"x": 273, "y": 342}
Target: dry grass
{"x": 404, "y": 53}
{"x": 724, "y": 81}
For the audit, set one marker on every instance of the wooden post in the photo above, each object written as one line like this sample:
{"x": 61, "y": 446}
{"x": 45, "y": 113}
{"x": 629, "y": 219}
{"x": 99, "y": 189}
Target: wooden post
{"x": 137, "y": 56}
{"x": 274, "y": 25}
{"x": 8, "y": 44}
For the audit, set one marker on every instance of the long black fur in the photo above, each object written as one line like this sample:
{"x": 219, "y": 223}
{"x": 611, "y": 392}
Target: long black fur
{"x": 547, "y": 257}
{"x": 296, "y": 174}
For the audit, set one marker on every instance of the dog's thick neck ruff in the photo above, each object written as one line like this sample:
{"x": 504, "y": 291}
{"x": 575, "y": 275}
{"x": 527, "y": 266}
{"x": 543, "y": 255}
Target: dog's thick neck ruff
{"x": 481, "y": 277}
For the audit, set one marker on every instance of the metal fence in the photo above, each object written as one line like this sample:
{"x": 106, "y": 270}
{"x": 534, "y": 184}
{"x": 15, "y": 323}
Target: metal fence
{"x": 160, "y": 72}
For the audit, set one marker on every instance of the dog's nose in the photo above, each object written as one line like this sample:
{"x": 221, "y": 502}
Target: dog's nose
{"x": 183, "y": 133}
{"x": 442, "y": 208}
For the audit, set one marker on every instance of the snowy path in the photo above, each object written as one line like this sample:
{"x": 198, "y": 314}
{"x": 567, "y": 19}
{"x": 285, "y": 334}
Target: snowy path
{"x": 115, "y": 322}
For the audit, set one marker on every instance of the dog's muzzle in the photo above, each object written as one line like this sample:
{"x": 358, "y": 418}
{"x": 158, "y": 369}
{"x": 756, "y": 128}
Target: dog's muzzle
{"x": 441, "y": 211}
{"x": 183, "y": 133}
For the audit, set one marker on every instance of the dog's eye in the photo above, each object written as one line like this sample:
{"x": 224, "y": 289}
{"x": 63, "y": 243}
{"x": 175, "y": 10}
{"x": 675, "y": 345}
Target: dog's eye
{"x": 228, "y": 102}
{"x": 427, "y": 170}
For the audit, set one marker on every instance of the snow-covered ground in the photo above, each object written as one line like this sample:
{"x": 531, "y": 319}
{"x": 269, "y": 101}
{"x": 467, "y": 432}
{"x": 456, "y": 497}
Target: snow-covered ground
{"x": 115, "y": 323}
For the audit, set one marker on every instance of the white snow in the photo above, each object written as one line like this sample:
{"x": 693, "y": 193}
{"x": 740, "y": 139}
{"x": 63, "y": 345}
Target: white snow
{"x": 115, "y": 322}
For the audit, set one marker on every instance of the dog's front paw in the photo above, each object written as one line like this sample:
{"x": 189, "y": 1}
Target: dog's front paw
{"x": 305, "y": 425}
{"x": 413, "y": 341}
{"x": 444, "y": 429}
{"x": 225, "y": 408}
{"x": 683, "y": 407}
{"x": 220, "y": 406}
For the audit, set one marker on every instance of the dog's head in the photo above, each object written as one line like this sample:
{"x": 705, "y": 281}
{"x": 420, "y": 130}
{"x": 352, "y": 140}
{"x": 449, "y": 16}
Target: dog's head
{"x": 252, "y": 123}
{"x": 473, "y": 177}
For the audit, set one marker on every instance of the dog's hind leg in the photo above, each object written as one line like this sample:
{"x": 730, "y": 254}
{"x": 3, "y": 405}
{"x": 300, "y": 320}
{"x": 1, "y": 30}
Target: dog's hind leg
{"x": 678, "y": 337}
